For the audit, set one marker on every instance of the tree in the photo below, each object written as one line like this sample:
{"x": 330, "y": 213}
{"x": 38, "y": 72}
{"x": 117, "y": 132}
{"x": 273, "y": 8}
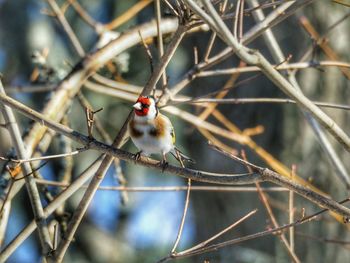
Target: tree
{"x": 201, "y": 60}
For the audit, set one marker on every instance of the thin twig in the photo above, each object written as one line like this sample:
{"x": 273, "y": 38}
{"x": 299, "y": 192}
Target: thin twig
{"x": 206, "y": 242}
{"x": 291, "y": 211}
{"x": 273, "y": 177}
{"x": 225, "y": 230}
{"x": 41, "y": 158}
{"x": 214, "y": 247}
{"x": 254, "y": 100}
{"x": 160, "y": 38}
{"x": 320, "y": 134}
{"x": 60, "y": 16}
{"x": 187, "y": 200}
{"x": 4, "y": 217}
{"x": 105, "y": 136}
{"x": 284, "y": 66}
{"x": 128, "y": 14}
{"x": 85, "y": 16}
{"x": 236, "y": 19}
{"x": 324, "y": 240}
{"x": 240, "y": 29}
{"x": 256, "y": 58}
{"x": 275, "y": 17}
{"x": 320, "y": 41}
{"x": 148, "y": 52}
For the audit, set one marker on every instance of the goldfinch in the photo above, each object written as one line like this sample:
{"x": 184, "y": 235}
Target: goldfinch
{"x": 152, "y": 132}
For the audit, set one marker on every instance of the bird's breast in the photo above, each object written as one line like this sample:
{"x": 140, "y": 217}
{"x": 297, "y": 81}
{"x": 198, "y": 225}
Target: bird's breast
{"x": 150, "y": 138}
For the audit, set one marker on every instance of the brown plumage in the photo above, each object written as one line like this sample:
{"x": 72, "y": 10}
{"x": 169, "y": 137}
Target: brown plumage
{"x": 133, "y": 131}
{"x": 159, "y": 127}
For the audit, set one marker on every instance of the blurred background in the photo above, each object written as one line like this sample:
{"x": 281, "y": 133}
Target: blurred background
{"x": 142, "y": 226}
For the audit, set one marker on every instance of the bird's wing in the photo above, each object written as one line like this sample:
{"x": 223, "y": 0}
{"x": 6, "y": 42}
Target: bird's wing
{"x": 162, "y": 125}
{"x": 172, "y": 133}
{"x": 171, "y": 127}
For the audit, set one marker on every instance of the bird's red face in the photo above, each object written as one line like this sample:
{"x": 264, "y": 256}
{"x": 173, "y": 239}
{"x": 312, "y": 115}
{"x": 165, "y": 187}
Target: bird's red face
{"x": 142, "y": 106}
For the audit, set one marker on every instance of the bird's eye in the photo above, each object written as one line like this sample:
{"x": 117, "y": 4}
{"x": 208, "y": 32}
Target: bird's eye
{"x": 145, "y": 105}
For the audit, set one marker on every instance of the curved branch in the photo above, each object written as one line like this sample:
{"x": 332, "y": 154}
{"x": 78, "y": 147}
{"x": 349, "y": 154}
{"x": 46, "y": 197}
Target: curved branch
{"x": 260, "y": 175}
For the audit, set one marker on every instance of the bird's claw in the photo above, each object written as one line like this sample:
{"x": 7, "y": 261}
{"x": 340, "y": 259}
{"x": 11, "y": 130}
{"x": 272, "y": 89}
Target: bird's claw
{"x": 137, "y": 156}
{"x": 164, "y": 164}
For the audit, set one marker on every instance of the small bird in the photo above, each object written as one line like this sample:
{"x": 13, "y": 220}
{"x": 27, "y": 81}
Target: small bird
{"x": 152, "y": 132}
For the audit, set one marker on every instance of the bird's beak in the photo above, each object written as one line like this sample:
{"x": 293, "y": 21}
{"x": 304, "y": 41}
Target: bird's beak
{"x": 137, "y": 106}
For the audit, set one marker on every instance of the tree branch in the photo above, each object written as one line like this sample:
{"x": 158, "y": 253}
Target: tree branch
{"x": 261, "y": 174}
{"x": 254, "y": 57}
{"x": 32, "y": 189}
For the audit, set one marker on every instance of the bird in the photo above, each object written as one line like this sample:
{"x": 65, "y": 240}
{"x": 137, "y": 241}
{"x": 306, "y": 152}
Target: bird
{"x": 153, "y": 132}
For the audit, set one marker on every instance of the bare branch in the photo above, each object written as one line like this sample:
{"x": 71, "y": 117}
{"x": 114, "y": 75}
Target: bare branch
{"x": 214, "y": 247}
{"x": 254, "y": 57}
{"x": 323, "y": 140}
{"x": 33, "y": 192}
{"x": 263, "y": 174}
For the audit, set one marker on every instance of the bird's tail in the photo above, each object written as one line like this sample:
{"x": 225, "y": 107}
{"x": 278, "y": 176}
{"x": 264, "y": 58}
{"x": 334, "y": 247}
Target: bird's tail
{"x": 180, "y": 156}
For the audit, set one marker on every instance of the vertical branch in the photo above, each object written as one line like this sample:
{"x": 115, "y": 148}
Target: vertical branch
{"x": 160, "y": 38}
{"x": 236, "y": 18}
{"x": 241, "y": 15}
{"x": 209, "y": 47}
{"x": 213, "y": 35}
{"x": 4, "y": 217}
{"x": 28, "y": 176}
{"x": 291, "y": 212}
{"x": 65, "y": 176}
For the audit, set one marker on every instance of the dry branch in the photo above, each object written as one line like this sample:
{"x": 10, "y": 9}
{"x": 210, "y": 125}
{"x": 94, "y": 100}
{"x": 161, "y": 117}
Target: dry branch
{"x": 214, "y": 247}
{"x": 329, "y": 150}
{"x": 118, "y": 142}
{"x": 32, "y": 189}
{"x": 68, "y": 87}
{"x": 261, "y": 174}
{"x": 254, "y": 57}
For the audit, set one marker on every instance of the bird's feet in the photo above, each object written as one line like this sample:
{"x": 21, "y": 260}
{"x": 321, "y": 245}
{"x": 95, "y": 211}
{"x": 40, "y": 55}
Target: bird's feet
{"x": 137, "y": 156}
{"x": 164, "y": 164}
